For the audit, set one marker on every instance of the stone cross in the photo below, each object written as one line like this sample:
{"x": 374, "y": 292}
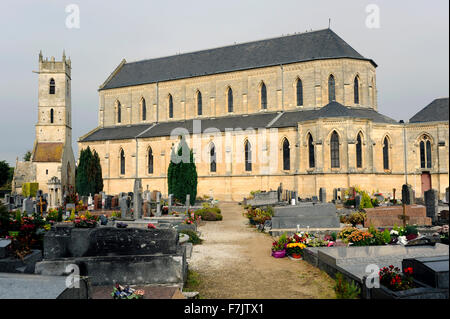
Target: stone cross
{"x": 137, "y": 199}
{"x": 403, "y": 217}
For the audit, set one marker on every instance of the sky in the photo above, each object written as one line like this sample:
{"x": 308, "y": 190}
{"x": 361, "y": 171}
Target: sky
{"x": 408, "y": 41}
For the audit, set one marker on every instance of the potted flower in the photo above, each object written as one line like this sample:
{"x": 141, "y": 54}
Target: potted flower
{"x": 295, "y": 250}
{"x": 279, "y": 246}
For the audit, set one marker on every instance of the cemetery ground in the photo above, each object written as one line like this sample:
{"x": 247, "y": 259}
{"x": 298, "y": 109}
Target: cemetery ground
{"x": 234, "y": 262}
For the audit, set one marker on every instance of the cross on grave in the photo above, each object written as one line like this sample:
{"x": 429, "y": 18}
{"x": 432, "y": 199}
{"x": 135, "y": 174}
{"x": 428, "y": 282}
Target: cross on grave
{"x": 403, "y": 217}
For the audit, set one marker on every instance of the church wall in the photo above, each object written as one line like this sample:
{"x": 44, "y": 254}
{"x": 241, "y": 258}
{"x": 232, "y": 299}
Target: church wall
{"x": 246, "y": 85}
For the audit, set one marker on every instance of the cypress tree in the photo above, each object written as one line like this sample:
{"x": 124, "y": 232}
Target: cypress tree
{"x": 182, "y": 173}
{"x": 89, "y": 173}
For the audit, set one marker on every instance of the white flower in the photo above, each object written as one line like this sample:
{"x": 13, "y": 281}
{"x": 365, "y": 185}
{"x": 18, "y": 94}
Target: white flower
{"x": 402, "y": 240}
{"x": 394, "y": 232}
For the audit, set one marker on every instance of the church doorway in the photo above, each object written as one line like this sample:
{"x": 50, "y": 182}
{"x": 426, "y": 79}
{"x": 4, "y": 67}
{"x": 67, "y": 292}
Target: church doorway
{"x": 426, "y": 182}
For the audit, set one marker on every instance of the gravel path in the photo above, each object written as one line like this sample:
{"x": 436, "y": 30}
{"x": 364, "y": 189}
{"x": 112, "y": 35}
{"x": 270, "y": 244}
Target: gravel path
{"x": 234, "y": 262}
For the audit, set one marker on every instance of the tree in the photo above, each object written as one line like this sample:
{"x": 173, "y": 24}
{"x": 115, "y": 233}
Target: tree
{"x": 5, "y": 173}
{"x": 27, "y": 156}
{"x": 88, "y": 179}
{"x": 182, "y": 173}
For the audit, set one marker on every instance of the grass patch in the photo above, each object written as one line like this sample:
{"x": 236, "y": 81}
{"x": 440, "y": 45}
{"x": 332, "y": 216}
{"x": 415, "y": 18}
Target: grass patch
{"x": 193, "y": 237}
{"x": 192, "y": 282}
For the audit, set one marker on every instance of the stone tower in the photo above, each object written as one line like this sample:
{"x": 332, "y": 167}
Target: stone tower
{"x": 52, "y": 157}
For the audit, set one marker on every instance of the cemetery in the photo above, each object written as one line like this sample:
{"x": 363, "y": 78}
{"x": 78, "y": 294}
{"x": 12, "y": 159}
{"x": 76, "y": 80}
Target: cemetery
{"x": 356, "y": 231}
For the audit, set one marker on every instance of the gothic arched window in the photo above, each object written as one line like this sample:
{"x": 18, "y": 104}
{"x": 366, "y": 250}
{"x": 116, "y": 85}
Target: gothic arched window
{"x": 52, "y": 86}
{"x": 51, "y": 116}
{"x": 334, "y": 150}
{"x": 122, "y": 162}
{"x": 230, "y": 100}
{"x": 144, "y": 110}
{"x": 331, "y": 89}
{"x": 119, "y": 112}
{"x": 299, "y": 92}
{"x": 248, "y": 156}
{"x": 359, "y": 151}
{"x": 212, "y": 158}
{"x": 286, "y": 155}
{"x": 263, "y": 96}
{"x": 150, "y": 161}
{"x": 170, "y": 106}
{"x": 425, "y": 152}
{"x": 386, "y": 153}
{"x": 312, "y": 159}
{"x": 356, "y": 90}
{"x": 199, "y": 103}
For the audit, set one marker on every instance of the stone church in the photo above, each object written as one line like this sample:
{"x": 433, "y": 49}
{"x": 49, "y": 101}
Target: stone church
{"x": 300, "y": 110}
{"x": 52, "y": 162}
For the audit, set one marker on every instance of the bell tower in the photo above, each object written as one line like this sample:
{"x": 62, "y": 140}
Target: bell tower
{"x": 54, "y": 101}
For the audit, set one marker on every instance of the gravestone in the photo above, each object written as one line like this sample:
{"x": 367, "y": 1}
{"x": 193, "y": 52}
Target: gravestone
{"x": 447, "y": 198}
{"x": 280, "y": 192}
{"x": 97, "y": 202}
{"x": 170, "y": 200}
{"x": 357, "y": 200}
{"x": 407, "y": 194}
{"x": 7, "y": 199}
{"x": 114, "y": 202}
{"x": 123, "y": 203}
{"x": 18, "y": 200}
{"x": 137, "y": 199}
{"x": 316, "y": 215}
{"x": 158, "y": 204}
{"x": 335, "y": 194}
{"x": 90, "y": 200}
{"x": 188, "y": 202}
{"x": 432, "y": 271}
{"x": 108, "y": 202}
{"x": 322, "y": 195}
{"x": 431, "y": 204}
{"x": 27, "y": 206}
{"x": 4, "y": 243}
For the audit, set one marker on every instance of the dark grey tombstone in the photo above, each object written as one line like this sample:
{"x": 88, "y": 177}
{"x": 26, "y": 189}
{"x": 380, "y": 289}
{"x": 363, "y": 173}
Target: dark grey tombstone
{"x": 27, "y": 206}
{"x": 407, "y": 194}
{"x": 322, "y": 195}
{"x": 4, "y": 243}
{"x": 335, "y": 194}
{"x": 108, "y": 202}
{"x": 170, "y": 200}
{"x": 432, "y": 271}
{"x": 280, "y": 192}
{"x": 357, "y": 200}
{"x": 158, "y": 204}
{"x": 431, "y": 204}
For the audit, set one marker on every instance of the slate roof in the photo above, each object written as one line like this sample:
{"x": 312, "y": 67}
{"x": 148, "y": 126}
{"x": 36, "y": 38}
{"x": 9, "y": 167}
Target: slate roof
{"x": 321, "y": 44}
{"x": 436, "y": 111}
{"x": 48, "y": 152}
{"x": 244, "y": 122}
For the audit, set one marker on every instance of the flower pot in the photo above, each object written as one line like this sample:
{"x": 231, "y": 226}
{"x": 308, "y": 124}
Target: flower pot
{"x": 279, "y": 254}
{"x": 296, "y": 256}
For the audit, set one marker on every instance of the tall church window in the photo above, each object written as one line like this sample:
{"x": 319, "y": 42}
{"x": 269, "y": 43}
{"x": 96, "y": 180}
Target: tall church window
{"x": 331, "y": 89}
{"x": 199, "y": 103}
{"x": 150, "y": 161}
{"x": 359, "y": 151}
{"x": 248, "y": 156}
{"x": 122, "y": 162}
{"x": 299, "y": 92}
{"x": 263, "y": 96}
{"x": 119, "y": 112}
{"x": 170, "y": 106}
{"x": 425, "y": 152}
{"x": 356, "y": 90}
{"x": 230, "y": 100}
{"x": 212, "y": 158}
{"x": 334, "y": 150}
{"x": 312, "y": 159}
{"x": 144, "y": 109}
{"x": 52, "y": 116}
{"x": 386, "y": 153}
{"x": 286, "y": 155}
{"x": 52, "y": 86}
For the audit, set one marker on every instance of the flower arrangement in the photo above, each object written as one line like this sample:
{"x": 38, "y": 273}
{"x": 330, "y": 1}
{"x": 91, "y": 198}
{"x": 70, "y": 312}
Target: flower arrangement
{"x": 295, "y": 248}
{"x": 86, "y": 221}
{"x": 360, "y": 238}
{"x": 120, "y": 292}
{"x": 258, "y": 215}
{"x": 192, "y": 219}
{"x": 280, "y": 244}
{"x": 392, "y": 278}
{"x": 151, "y": 226}
{"x": 345, "y": 232}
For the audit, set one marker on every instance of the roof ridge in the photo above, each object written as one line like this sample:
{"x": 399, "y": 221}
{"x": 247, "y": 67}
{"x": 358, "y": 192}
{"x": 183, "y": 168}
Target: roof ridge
{"x": 231, "y": 45}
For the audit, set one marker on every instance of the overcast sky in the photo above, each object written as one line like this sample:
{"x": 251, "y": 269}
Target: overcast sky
{"x": 410, "y": 46}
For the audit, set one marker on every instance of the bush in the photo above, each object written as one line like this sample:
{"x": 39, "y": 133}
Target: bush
{"x": 411, "y": 230}
{"x": 209, "y": 214}
{"x": 387, "y": 236}
{"x": 366, "y": 202}
{"x": 343, "y": 219}
{"x": 30, "y": 189}
{"x": 193, "y": 237}
{"x": 344, "y": 289}
{"x": 357, "y": 218}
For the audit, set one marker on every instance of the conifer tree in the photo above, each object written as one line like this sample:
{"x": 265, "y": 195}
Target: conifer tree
{"x": 89, "y": 173}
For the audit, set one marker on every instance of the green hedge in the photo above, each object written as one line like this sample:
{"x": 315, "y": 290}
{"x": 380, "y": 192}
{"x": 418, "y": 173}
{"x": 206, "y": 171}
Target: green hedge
{"x": 209, "y": 213}
{"x": 30, "y": 189}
